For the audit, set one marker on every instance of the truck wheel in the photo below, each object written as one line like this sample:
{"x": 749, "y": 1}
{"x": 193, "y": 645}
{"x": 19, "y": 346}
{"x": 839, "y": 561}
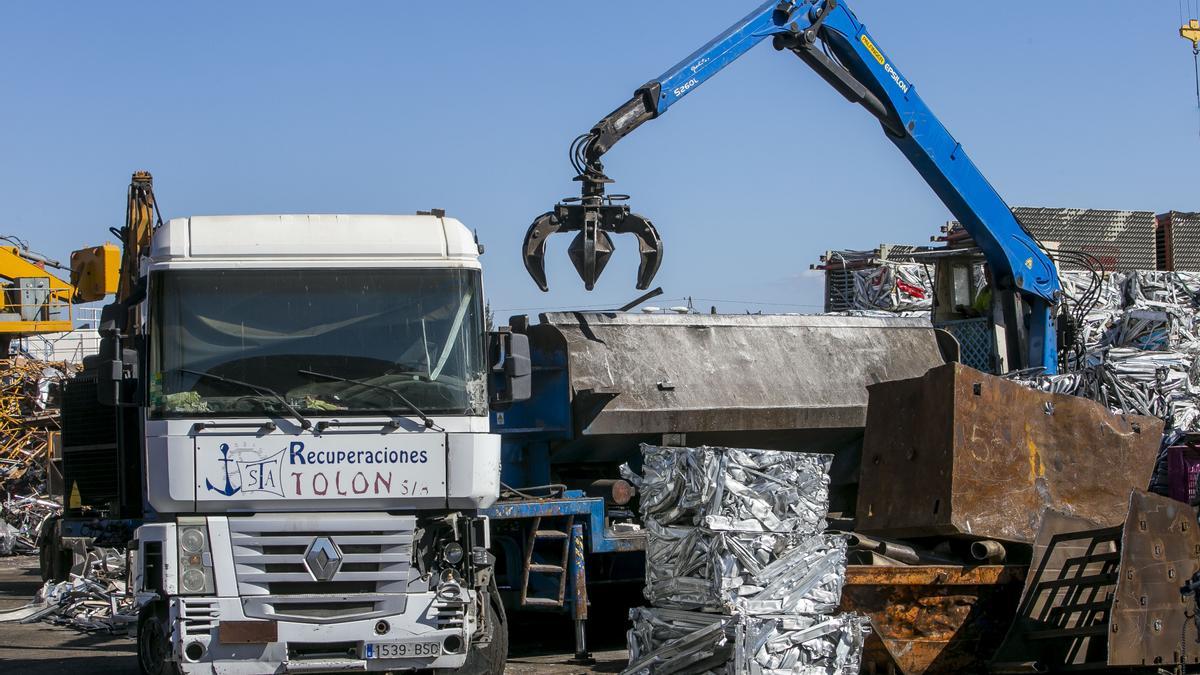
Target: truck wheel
{"x": 489, "y": 659}
{"x": 154, "y": 642}
{"x": 55, "y": 563}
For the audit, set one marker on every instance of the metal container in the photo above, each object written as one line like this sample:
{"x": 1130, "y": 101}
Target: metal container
{"x": 1183, "y": 466}
{"x": 959, "y": 452}
{"x": 932, "y": 619}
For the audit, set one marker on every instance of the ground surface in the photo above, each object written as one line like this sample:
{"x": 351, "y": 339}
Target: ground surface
{"x": 539, "y": 645}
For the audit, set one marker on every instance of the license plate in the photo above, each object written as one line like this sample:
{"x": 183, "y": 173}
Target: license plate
{"x": 402, "y": 650}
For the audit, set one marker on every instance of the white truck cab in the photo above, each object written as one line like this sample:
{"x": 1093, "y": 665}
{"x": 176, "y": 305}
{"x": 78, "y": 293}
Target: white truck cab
{"x": 314, "y": 395}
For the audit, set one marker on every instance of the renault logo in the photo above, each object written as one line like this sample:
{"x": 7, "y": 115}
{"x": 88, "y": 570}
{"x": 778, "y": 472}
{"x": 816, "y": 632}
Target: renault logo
{"x": 323, "y": 558}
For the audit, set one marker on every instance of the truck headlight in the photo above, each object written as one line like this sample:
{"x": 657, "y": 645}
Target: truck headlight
{"x": 195, "y": 557}
{"x": 452, "y": 553}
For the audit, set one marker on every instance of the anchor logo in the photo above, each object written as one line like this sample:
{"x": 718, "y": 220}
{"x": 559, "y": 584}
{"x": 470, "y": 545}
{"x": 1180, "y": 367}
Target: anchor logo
{"x": 229, "y": 490}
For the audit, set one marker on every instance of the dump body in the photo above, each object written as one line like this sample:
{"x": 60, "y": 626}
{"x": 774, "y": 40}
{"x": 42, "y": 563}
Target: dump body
{"x": 603, "y": 381}
{"x": 958, "y": 452}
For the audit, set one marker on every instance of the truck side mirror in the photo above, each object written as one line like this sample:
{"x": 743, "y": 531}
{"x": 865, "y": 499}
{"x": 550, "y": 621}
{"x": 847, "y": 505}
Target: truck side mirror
{"x": 510, "y": 375}
{"x": 116, "y": 377}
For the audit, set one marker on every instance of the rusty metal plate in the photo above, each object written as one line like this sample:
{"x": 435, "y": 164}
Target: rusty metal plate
{"x": 960, "y": 452}
{"x": 1160, "y": 551}
{"x": 1063, "y": 616}
{"x": 248, "y": 632}
{"x": 928, "y": 620}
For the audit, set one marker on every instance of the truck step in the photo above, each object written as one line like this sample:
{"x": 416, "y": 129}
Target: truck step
{"x": 549, "y": 534}
{"x": 545, "y": 569}
{"x": 542, "y": 602}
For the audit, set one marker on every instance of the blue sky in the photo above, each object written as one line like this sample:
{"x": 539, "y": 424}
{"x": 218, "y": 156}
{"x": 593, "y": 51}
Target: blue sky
{"x": 470, "y": 106}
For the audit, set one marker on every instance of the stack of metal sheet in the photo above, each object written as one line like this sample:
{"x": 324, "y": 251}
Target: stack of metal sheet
{"x": 1178, "y": 241}
{"x": 738, "y": 533}
{"x": 1117, "y": 239}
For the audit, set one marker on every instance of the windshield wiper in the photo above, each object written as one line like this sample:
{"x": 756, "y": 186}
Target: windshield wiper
{"x": 429, "y": 423}
{"x": 304, "y": 423}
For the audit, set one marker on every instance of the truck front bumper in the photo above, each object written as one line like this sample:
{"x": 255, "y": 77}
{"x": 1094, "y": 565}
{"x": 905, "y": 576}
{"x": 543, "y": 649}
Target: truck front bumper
{"x": 304, "y": 647}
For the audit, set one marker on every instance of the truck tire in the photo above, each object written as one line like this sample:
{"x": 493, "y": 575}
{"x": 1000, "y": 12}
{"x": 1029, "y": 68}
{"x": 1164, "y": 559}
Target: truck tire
{"x": 54, "y": 562}
{"x": 490, "y": 659}
{"x": 154, "y": 642}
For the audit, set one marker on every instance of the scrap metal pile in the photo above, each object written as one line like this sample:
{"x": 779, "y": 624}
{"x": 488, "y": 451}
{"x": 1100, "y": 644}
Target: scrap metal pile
{"x": 739, "y": 574}
{"x": 1140, "y": 345}
{"x": 867, "y": 282}
{"x": 897, "y": 288}
{"x": 94, "y": 598}
{"x": 28, "y": 418}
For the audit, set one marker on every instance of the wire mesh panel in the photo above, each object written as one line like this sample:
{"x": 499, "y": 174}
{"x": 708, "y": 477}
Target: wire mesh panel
{"x": 977, "y": 341}
{"x": 839, "y": 290}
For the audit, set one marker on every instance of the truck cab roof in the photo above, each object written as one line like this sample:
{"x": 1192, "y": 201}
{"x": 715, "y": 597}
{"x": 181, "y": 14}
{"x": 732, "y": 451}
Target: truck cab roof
{"x": 314, "y": 239}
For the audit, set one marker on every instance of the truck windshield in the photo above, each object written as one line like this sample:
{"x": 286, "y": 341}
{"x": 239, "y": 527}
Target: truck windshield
{"x": 387, "y": 335}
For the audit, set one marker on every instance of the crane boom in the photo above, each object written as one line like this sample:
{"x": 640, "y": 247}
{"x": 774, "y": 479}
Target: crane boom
{"x": 828, "y": 37}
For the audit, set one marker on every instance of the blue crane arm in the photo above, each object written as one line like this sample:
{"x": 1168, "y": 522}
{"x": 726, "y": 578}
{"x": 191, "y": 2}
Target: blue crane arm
{"x": 857, "y": 67}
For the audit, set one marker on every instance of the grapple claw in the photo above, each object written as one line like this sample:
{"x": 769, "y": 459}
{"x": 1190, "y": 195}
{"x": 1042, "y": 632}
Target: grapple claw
{"x": 593, "y": 219}
{"x": 534, "y": 249}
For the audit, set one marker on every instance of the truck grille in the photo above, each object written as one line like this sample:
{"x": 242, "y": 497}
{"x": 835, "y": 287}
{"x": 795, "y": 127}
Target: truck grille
{"x": 369, "y": 577}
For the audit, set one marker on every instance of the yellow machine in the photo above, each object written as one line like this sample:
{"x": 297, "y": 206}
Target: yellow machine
{"x": 33, "y": 301}
{"x": 1191, "y": 31}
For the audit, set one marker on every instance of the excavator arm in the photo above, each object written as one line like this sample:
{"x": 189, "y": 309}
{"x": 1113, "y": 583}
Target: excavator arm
{"x": 828, "y": 37}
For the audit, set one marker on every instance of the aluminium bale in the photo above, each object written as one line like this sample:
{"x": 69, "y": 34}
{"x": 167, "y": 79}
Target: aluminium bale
{"x": 734, "y": 489}
{"x": 692, "y": 568}
{"x": 668, "y": 640}
{"x": 804, "y": 645}
{"x": 671, "y": 641}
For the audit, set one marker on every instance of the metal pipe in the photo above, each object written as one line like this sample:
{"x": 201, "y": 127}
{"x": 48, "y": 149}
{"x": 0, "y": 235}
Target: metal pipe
{"x": 989, "y": 551}
{"x": 893, "y": 550}
{"x": 614, "y": 490}
{"x": 909, "y": 555}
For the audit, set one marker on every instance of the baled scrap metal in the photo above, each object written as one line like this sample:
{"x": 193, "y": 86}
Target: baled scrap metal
{"x": 674, "y": 641}
{"x": 696, "y": 568}
{"x": 671, "y": 641}
{"x": 733, "y": 489}
{"x": 791, "y": 644}
{"x": 806, "y": 579}
{"x": 739, "y": 532}
{"x": 893, "y": 287}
